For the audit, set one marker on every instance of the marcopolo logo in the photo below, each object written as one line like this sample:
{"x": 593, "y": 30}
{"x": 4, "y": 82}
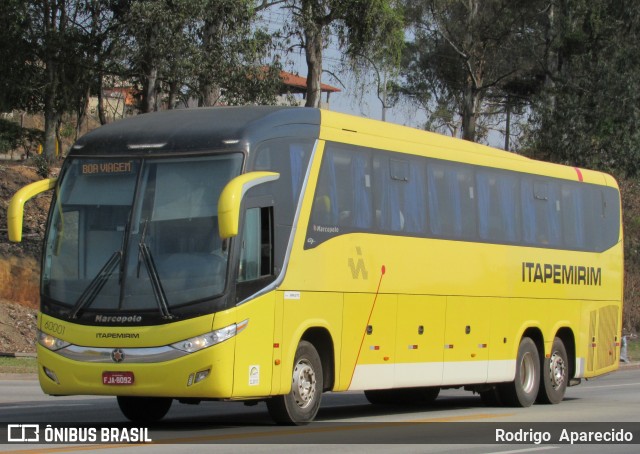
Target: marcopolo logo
{"x": 118, "y": 318}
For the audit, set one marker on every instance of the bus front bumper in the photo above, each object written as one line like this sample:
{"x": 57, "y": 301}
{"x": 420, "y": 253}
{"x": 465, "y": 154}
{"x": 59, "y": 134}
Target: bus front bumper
{"x": 207, "y": 373}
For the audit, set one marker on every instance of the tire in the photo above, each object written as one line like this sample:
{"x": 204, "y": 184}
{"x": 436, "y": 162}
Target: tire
{"x": 555, "y": 374}
{"x": 403, "y": 396}
{"x": 522, "y": 392}
{"x": 144, "y": 409}
{"x": 301, "y": 405}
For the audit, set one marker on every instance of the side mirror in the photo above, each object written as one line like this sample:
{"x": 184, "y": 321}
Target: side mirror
{"x": 231, "y": 198}
{"x": 15, "y": 212}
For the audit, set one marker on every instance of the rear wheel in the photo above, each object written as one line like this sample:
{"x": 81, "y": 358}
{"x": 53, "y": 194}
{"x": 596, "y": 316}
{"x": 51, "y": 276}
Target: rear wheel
{"x": 555, "y": 374}
{"x": 301, "y": 405}
{"x": 144, "y": 409}
{"x": 522, "y": 392}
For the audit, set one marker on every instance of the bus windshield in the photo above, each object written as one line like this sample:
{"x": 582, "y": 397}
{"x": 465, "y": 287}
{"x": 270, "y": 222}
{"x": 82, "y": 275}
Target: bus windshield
{"x": 137, "y": 234}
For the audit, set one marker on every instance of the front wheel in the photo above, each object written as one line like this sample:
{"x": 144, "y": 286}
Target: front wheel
{"x": 522, "y": 392}
{"x": 301, "y": 405}
{"x": 144, "y": 409}
{"x": 555, "y": 373}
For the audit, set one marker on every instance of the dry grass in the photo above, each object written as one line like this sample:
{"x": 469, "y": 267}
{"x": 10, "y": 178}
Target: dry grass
{"x": 10, "y": 365}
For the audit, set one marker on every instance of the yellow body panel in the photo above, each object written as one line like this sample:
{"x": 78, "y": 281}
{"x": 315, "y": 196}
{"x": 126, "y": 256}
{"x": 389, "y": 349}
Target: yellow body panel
{"x": 255, "y": 351}
{"x": 308, "y": 310}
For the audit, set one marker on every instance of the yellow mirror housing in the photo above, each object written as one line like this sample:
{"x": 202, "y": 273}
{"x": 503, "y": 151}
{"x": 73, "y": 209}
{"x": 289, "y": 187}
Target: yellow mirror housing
{"x": 15, "y": 212}
{"x": 231, "y": 198}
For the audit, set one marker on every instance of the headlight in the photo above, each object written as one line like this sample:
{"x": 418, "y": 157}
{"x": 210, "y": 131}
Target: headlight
{"x": 51, "y": 342}
{"x": 207, "y": 340}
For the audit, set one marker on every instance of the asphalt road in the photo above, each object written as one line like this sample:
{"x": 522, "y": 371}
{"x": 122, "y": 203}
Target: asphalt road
{"x": 457, "y": 422}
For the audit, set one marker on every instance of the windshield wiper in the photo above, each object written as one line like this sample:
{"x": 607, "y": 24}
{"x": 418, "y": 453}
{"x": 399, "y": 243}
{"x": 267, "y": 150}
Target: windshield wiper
{"x": 95, "y": 286}
{"x": 158, "y": 292}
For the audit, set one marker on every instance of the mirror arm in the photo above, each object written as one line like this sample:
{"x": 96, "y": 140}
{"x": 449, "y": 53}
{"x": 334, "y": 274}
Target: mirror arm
{"x": 231, "y": 198}
{"x": 15, "y": 211}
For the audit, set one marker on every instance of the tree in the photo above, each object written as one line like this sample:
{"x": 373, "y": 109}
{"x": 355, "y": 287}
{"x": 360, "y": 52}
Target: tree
{"x": 588, "y": 113}
{"x": 53, "y": 54}
{"x": 231, "y": 52}
{"x": 465, "y": 51}
{"x": 199, "y": 48}
{"x": 55, "y": 36}
{"x": 157, "y": 33}
{"x": 361, "y": 27}
{"x": 16, "y": 55}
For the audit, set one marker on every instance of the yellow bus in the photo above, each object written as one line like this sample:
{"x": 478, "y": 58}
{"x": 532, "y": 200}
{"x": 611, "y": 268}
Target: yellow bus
{"x": 274, "y": 254}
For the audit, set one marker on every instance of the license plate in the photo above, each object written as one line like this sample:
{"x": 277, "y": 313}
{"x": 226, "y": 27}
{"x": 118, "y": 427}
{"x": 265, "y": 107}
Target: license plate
{"x": 117, "y": 378}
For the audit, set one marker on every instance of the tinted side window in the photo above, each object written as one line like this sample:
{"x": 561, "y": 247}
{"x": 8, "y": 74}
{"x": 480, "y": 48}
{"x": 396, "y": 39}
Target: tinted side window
{"x": 498, "y": 210}
{"x": 572, "y": 209}
{"x": 394, "y": 193}
{"x": 451, "y": 193}
{"x": 343, "y": 196}
{"x": 290, "y": 158}
{"x": 400, "y": 197}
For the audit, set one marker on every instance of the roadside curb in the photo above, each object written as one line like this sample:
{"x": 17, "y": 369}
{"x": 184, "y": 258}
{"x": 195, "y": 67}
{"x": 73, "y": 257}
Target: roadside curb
{"x": 18, "y": 376}
{"x": 630, "y": 365}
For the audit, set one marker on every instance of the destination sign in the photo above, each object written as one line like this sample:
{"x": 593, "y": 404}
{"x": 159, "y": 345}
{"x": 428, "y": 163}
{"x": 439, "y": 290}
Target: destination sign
{"x": 107, "y": 168}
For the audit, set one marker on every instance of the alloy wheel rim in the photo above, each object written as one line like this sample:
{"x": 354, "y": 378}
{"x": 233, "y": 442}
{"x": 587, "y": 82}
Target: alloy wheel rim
{"x": 527, "y": 372}
{"x": 557, "y": 370}
{"x": 304, "y": 383}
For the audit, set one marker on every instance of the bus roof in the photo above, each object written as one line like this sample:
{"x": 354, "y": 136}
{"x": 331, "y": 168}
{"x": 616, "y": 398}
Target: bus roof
{"x": 370, "y": 133}
{"x": 189, "y": 130}
{"x": 226, "y": 128}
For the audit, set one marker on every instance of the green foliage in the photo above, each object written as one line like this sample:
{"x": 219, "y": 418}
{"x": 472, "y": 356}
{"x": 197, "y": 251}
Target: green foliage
{"x": 588, "y": 116}
{"x": 43, "y": 167}
{"x": 369, "y": 33}
{"x": 196, "y": 48}
{"x": 16, "y": 77}
{"x": 67, "y": 130}
{"x": 12, "y": 137}
{"x": 467, "y": 57}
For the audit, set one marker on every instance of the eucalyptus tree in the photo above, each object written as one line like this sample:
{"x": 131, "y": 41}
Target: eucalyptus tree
{"x": 206, "y": 49}
{"x": 156, "y": 34}
{"x": 232, "y": 64}
{"x": 462, "y": 51}
{"x": 16, "y": 55}
{"x": 361, "y": 28}
{"x": 52, "y": 53}
{"x": 589, "y": 112}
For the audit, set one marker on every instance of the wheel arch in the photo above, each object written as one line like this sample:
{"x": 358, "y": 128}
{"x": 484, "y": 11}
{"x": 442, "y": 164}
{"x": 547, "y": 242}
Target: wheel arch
{"x": 322, "y": 341}
{"x": 535, "y": 334}
{"x": 566, "y": 335}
